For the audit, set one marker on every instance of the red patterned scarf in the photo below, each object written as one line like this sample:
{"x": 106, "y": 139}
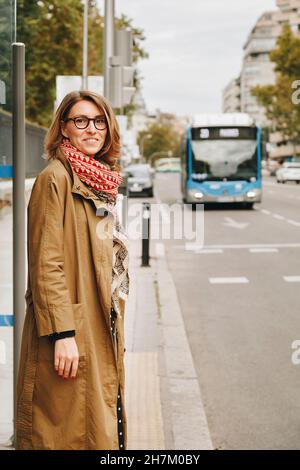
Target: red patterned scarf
{"x": 92, "y": 172}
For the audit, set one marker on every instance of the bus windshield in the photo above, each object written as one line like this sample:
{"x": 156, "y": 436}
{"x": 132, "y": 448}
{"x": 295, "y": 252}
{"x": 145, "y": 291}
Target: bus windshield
{"x": 224, "y": 159}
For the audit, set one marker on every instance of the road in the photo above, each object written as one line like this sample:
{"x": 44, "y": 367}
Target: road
{"x": 239, "y": 297}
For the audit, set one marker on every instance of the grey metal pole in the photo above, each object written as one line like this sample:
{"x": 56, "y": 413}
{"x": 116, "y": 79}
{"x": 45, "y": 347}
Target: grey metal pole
{"x": 109, "y": 14}
{"x": 145, "y": 233}
{"x": 18, "y": 56}
{"x": 85, "y": 46}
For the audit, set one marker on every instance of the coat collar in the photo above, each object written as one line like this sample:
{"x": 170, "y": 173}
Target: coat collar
{"x": 78, "y": 187}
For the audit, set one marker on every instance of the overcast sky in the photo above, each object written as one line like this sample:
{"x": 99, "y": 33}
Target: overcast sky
{"x": 195, "y": 47}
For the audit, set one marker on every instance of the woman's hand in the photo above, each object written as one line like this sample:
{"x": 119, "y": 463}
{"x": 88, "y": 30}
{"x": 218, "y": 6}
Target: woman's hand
{"x": 66, "y": 357}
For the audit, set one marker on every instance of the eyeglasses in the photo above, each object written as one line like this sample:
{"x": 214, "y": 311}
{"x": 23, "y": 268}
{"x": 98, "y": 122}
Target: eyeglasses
{"x": 82, "y": 122}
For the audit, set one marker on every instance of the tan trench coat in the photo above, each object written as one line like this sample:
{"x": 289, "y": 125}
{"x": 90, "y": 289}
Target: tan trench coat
{"x": 69, "y": 288}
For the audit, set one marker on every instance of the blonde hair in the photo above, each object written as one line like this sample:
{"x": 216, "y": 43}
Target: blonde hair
{"x": 110, "y": 151}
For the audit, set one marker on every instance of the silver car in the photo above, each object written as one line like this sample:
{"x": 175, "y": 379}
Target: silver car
{"x": 140, "y": 179}
{"x": 290, "y": 171}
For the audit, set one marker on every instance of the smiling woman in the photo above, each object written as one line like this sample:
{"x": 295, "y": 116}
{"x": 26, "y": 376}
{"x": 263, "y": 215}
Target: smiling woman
{"x": 77, "y": 287}
{"x": 84, "y": 127}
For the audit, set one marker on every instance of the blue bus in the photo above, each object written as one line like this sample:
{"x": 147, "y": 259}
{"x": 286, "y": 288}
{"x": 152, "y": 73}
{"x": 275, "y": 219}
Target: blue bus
{"x": 221, "y": 160}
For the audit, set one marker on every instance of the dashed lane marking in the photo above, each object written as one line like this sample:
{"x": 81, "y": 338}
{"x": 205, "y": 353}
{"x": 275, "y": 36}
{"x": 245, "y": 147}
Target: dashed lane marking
{"x": 280, "y": 217}
{"x": 209, "y": 252}
{"x": 200, "y": 248}
{"x": 293, "y": 222}
{"x": 291, "y": 278}
{"x": 228, "y": 280}
{"x": 263, "y": 250}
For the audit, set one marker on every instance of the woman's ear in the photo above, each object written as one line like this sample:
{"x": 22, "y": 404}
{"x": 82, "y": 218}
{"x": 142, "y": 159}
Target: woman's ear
{"x": 63, "y": 129}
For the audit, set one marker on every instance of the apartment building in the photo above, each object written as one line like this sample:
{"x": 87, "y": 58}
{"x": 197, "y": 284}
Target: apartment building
{"x": 257, "y": 69}
{"x": 232, "y": 96}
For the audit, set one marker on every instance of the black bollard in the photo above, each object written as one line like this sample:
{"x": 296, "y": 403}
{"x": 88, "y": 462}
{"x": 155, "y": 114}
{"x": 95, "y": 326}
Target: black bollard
{"x": 145, "y": 233}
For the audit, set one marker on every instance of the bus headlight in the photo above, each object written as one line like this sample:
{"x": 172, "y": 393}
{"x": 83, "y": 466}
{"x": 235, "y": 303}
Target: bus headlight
{"x": 253, "y": 193}
{"x": 195, "y": 194}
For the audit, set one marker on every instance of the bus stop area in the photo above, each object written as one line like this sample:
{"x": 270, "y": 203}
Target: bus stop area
{"x": 163, "y": 400}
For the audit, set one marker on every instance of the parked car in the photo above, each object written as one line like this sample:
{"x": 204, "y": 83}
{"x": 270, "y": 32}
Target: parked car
{"x": 140, "y": 179}
{"x": 273, "y": 166}
{"x": 290, "y": 171}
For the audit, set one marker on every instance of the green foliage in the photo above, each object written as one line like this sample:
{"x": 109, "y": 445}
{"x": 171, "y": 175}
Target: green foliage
{"x": 286, "y": 55}
{"x": 164, "y": 138}
{"x": 52, "y": 31}
{"x": 95, "y": 41}
{"x": 277, "y": 98}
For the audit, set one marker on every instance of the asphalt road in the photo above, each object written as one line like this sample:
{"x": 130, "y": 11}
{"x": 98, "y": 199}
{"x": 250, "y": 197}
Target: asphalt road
{"x": 240, "y": 301}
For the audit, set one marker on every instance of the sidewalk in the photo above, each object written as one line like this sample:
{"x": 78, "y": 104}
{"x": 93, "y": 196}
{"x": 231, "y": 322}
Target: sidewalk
{"x": 164, "y": 405}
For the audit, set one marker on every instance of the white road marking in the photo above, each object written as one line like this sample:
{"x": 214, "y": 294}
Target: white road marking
{"x": 191, "y": 246}
{"x": 263, "y": 250}
{"x": 291, "y": 278}
{"x": 265, "y": 211}
{"x": 205, "y": 252}
{"x": 294, "y": 222}
{"x": 281, "y": 217}
{"x": 228, "y": 280}
{"x": 229, "y": 222}
{"x": 195, "y": 247}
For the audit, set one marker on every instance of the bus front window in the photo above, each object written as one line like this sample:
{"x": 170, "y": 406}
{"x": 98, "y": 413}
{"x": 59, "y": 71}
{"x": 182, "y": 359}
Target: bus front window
{"x": 220, "y": 159}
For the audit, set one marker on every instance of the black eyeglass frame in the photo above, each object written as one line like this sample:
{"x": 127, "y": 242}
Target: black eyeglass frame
{"x": 89, "y": 120}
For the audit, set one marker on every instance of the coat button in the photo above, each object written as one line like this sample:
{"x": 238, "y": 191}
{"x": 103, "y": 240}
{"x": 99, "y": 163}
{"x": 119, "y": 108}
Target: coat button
{"x": 77, "y": 187}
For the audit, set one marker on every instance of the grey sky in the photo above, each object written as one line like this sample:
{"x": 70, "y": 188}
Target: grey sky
{"x": 195, "y": 48}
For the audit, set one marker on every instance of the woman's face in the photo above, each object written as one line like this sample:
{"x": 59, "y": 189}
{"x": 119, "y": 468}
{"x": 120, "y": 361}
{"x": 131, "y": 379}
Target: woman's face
{"x": 89, "y": 140}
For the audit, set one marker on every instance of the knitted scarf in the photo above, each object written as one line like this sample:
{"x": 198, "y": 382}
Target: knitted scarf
{"x": 95, "y": 174}
{"x": 104, "y": 183}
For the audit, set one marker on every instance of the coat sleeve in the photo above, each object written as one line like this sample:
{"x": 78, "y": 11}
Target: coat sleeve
{"x": 51, "y": 299}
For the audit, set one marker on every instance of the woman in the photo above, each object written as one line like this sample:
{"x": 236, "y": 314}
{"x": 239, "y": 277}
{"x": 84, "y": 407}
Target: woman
{"x": 71, "y": 377}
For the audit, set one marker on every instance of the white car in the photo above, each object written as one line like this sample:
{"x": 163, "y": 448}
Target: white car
{"x": 290, "y": 171}
{"x": 140, "y": 179}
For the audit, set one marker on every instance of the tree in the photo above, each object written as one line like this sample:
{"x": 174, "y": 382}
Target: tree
{"x": 52, "y": 31}
{"x": 277, "y": 98}
{"x": 164, "y": 138}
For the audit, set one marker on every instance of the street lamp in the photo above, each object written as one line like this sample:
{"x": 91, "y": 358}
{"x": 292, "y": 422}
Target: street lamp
{"x": 146, "y": 136}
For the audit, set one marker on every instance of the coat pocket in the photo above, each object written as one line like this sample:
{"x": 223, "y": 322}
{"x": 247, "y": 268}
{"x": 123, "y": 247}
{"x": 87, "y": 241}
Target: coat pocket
{"x": 46, "y": 346}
